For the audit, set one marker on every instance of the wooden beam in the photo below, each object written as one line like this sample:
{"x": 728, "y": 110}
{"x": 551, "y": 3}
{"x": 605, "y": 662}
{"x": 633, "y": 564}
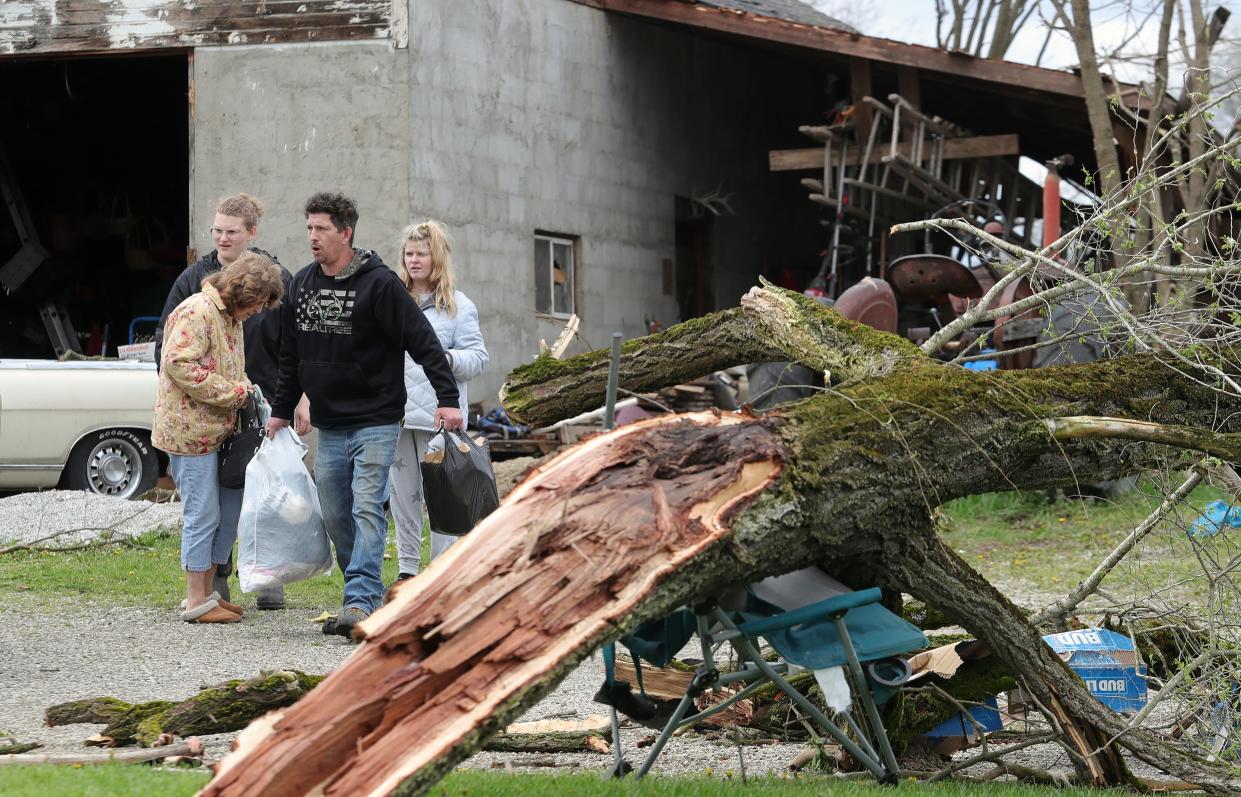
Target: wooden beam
{"x": 753, "y": 26}
{"x": 909, "y": 85}
{"x": 787, "y": 160}
{"x": 860, "y": 87}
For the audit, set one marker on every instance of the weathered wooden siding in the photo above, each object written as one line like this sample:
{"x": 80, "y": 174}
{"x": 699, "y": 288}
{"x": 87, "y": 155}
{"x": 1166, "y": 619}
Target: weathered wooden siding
{"x": 75, "y": 26}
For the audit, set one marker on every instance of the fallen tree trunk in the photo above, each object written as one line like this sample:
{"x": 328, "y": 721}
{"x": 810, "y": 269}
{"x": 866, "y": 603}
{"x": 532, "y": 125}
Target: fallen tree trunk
{"x": 225, "y": 707}
{"x": 770, "y": 325}
{"x": 550, "y": 742}
{"x": 669, "y": 511}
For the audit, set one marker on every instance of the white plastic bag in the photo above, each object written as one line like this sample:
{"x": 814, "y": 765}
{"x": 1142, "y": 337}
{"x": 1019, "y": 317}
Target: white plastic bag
{"x": 281, "y": 537}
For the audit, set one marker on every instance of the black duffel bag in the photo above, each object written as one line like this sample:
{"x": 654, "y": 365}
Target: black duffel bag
{"x": 240, "y": 447}
{"x": 459, "y": 486}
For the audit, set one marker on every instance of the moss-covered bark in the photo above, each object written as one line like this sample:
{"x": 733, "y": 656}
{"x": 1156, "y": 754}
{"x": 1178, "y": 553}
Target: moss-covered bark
{"x": 771, "y": 325}
{"x": 225, "y": 707}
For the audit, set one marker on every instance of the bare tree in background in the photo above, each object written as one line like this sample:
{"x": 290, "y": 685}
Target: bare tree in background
{"x": 984, "y": 28}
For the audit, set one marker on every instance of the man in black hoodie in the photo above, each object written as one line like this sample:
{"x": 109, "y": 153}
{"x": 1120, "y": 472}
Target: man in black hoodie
{"x": 348, "y": 325}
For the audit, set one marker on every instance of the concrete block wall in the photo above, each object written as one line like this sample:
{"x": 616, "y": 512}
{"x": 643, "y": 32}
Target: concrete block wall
{"x": 282, "y": 122}
{"x": 502, "y": 117}
{"x": 548, "y": 115}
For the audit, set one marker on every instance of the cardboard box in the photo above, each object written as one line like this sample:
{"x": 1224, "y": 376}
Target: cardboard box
{"x": 143, "y": 352}
{"x": 957, "y": 732}
{"x": 1107, "y": 662}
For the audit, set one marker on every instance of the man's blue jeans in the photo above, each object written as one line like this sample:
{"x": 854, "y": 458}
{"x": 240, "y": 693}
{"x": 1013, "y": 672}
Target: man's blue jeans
{"x": 351, "y": 472}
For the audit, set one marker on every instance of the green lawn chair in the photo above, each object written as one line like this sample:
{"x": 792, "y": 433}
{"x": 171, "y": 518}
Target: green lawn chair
{"x": 849, "y": 630}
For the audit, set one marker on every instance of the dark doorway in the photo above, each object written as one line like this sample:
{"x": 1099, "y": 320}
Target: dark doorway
{"x": 695, "y": 274}
{"x": 98, "y": 155}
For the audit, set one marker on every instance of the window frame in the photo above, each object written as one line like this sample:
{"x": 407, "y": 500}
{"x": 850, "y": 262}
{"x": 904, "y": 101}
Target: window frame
{"x": 573, "y": 242}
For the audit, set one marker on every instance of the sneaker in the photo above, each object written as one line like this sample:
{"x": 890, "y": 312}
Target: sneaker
{"x": 271, "y": 598}
{"x": 349, "y": 617}
{"x": 403, "y": 576}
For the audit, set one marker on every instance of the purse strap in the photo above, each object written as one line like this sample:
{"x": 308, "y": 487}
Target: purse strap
{"x": 247, "y": 415}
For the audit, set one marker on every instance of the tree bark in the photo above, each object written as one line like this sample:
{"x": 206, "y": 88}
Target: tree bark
{"x": 672, "y": 510}
{"x": 217, "y": 709}
{"x": 769, "y": 325}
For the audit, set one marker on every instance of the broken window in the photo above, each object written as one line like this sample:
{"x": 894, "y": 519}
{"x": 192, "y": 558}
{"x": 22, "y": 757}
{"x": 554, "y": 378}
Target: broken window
{"x": 555, "y": 274}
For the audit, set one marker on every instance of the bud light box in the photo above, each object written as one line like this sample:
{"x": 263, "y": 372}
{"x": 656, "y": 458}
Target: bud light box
{"x": 1107, "y": 662}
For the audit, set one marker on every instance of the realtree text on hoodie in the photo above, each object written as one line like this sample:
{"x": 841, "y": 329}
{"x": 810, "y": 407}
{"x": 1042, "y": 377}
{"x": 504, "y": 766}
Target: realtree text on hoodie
{"x": 344, "y": 345}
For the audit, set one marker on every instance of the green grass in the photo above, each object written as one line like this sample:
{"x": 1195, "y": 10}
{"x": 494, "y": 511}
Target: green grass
{"x": 111, "y": 780}
{"x": 149, "y": 575}
{"x": 1050, "y": 545}
{"x": 141, "y": 781}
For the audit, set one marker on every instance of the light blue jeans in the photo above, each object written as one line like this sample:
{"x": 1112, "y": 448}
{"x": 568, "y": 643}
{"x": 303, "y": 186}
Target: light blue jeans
{"x": 209, "y": 511}
{"x": 351, "y": 472}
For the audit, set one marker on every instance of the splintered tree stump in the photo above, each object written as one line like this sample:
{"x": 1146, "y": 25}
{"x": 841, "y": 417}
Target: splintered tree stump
{"x": 221, "y": 708}
{"x": 670, "y": 511}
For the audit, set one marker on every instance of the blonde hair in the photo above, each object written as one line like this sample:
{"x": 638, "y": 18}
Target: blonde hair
{"x": 250, "y": 279}
{"x": 443, "y": 283}
{"x": 241, "y": 206}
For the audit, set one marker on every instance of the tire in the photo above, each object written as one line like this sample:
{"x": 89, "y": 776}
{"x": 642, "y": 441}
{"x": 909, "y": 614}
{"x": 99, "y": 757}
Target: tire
{"x": 120, "y": 463}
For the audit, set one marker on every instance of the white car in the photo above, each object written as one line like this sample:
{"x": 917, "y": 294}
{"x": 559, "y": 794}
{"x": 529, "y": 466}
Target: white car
{"x": 80, "y": 425}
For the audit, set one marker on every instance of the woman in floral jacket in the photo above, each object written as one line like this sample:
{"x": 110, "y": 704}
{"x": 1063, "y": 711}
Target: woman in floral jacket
{"x": 202, "y": 384}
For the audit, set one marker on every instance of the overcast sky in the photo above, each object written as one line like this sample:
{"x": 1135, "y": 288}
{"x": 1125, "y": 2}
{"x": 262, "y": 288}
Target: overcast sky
{"x": 914, "y": 21}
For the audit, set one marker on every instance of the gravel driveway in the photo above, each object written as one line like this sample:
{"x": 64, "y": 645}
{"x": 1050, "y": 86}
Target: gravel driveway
{"x": 145, "y": 654}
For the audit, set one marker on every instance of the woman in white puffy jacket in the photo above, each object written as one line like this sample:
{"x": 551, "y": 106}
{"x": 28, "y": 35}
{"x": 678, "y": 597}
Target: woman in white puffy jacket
{"x": 428, "y": 274}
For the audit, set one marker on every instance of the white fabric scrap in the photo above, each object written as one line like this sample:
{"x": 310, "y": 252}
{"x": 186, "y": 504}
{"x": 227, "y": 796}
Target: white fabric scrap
{"x": 835, "y": 688}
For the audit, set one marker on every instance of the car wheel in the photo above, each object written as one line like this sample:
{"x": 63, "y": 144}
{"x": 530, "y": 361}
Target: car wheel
{"x": 118, "y": 462}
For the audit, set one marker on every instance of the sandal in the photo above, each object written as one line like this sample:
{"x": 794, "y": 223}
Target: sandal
{"x": 224, "y": 604}
{"x": 210, "y": 612}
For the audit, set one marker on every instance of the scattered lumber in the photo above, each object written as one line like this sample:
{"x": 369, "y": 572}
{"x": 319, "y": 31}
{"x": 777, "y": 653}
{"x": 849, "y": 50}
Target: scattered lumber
{"x": 554, "y": 736}
{"x": 191, "y": 747}
{"x": 780, "y": 160}
{"x": 549, "y": 742}
{"x": 663, "y": 683}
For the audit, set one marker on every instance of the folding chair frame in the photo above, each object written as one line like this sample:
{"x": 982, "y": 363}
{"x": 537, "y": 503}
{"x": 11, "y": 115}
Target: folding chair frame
{"x": 715, "y": 626}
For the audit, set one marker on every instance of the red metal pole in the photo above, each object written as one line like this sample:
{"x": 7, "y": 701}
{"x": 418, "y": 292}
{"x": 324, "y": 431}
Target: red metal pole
{"x": 1051, "y": 204}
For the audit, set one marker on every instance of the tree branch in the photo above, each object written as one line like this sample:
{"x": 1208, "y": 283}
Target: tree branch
{"x": 772, "y": 324}
{"x": 1059, "y": 611}
{"x": 1224, "y": 446}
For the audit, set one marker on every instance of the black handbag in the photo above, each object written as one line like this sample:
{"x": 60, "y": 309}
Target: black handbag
{"x": 240, "y": 447}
